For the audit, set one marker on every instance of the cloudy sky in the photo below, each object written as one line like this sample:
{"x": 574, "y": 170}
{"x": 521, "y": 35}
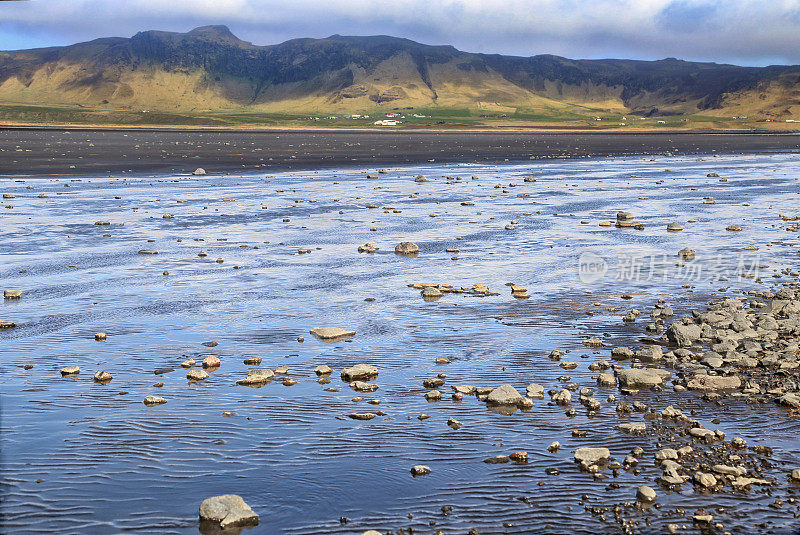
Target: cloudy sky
{"x": 751, "y": 32}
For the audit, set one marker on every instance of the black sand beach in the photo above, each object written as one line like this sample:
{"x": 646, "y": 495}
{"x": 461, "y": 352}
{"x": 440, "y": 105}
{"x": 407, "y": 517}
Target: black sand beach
{"x": 61, "y": 151}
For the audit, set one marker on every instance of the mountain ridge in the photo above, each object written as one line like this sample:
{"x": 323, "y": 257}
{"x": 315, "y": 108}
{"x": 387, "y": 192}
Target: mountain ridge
{"x": 209, "y": 68}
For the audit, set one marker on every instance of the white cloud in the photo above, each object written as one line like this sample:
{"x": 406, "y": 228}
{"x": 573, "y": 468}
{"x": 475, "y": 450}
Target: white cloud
{"x": 746, "y": 31}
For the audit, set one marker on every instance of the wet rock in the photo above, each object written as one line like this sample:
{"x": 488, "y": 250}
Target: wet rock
{"x": 646, "y": 494}
{"x": 197, "y": 375}
{"x": 188, "y": 363}
{"x": 363, "y": 386}
{"x": 12, "y": 294}
{"x": 433, "y": 395}
{"x": 100, "y": 337}
{"x": 633, "y": 427}
{"x": 519, "y": 457}
{"x": 562, "y": 397}
{"x": 606, "y": 379}
{"x": 102, "y": 376}
{"x": 554, "y": 446}
{"x": 713, "y": 383}
{"x": 683, "y": 335}
{"x": 642, "y": 377}
{"x": 406, "y": 248}
{"x": 199, "y": 172}
{"x": 686, "y": 253}
{"x": 593, "y": 342}
{"x": 589, "y": 456}
{"x": 5, "y": 324}
{"x": 367, "y": 248}
{"x": 497, "y": 459}
{"x": 331, "y": 333}
{"x": 323, "y": 370}
{"x": 211, "y": 361}
{"x": 364, "y": 416}
{"x": 359, "y": 372}
{"x": 70, "y": 370}
{"x": 705, "y": 480}
{"x": 504, "y": 395}
{"x": 534, "y": 391}
{"x": 227, "y": 511}
{"x": 252, "y": 361}
{"x": 455, "y": 424}
{"x": 154, "y": 400}
{"x": 257, "y": 376}
{"x": 674, "y": 227}
{"x": 420, "y": 178}
{"x": 431, "y": 292}
{"x": 420, "y": 470}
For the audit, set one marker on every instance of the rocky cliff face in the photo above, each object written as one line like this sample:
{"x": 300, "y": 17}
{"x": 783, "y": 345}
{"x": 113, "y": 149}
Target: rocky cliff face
{"x": 211, "y": 68}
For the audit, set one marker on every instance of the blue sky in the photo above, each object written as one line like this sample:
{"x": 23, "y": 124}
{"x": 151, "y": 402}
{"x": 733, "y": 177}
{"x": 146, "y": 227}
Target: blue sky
{"x": 734, "y": 31}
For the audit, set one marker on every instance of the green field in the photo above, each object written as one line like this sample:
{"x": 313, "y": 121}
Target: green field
{"x": 434, "y": 118}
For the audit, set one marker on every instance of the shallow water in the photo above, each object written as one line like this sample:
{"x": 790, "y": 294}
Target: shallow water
{"x": 82, "y": 457}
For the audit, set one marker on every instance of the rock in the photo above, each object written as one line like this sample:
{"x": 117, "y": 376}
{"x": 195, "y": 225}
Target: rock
{"x": 646, "y": 494}
{"x": 624, "y": 216}
{"x": 497, "y": 459}
{"x": 683, "y": 335}
{"x": 795, "y": 475}
{"x": 433, "y": 395}
{"x": 331, "y": 333}
{"x": 431, "y": 292}
{"x": 252, "y": 361}
{"x": 5, "y": 324}
{"x": 420, "y": 470}
{"x": 367, "y": 248}
{"x": 519, "y": 456}
{"x": 453, "y": 423}
{"x": 534, "y": 391}
{"x": 633, "y": 427}
{"x": 102, "y": 376}
{"x": 100, "y": 337}
{"x": 504, "y": 395}
{"x": 420, "y": 178}
{"x": 199, "y": 171}
{"x": 372, "y": 532}
{"x": 227, "y": 511}
{"x": 562, "y": 397}
{"x": 359, "y": 372}
{"x": 70, "y": 370}
{"x": 666, "y": 454}
{"x": 147, "y": 251}
{"x": 12, "y": 294}
{"x": 554, "y": 446}
{"x": 593, "y": 342}
{"x": 606, "y": 379}
{"x": 686, "y": 253}
{"x": 188, "y": 363}
{"x": 674, "y": 227}
{"x": 712, "y": 383}
{"x": 363, "y": 386}
{"x": 197, "y": 375}
{"x": 705, "y": 480}
{"x": 154, "y": 400}
{"x": 588, "y": 456}
{"x": 642, "y": 377}
{"x": 257, "y": 376}
{"x": 323, "y": 370}
{"x": 406, "y": 248}
{"x": 211, "y": 361}
{"x": 364, "y": 416}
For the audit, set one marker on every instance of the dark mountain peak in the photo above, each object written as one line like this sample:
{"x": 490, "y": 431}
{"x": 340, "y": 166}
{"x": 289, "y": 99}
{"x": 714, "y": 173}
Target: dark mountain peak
{"x": 216, "y": 32}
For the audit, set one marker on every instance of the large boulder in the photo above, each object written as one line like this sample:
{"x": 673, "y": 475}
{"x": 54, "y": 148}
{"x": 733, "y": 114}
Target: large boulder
{"x": 407, "y": 248}
{"x": 504, "y": 395}
{"x": 642, "y": 377}
{"x": 227, "y": 511}
{"x": 683, "y": 335}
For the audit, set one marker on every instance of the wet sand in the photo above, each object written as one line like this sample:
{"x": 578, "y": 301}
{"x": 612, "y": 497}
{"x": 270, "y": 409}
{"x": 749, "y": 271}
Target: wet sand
{"x": 106, "y": 151}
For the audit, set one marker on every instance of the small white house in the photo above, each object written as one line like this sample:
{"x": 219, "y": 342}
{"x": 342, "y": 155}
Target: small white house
{"x": 387, "y": 122}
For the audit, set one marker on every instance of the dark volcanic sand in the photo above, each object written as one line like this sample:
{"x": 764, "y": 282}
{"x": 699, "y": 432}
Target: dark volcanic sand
{"x": 55, "y": 151}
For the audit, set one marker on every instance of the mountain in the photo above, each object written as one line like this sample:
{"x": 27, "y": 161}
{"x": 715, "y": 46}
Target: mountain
{"x": 210, "y": 69}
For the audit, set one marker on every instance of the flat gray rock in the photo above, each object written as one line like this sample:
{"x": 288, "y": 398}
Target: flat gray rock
{"x": 227, "y": 511}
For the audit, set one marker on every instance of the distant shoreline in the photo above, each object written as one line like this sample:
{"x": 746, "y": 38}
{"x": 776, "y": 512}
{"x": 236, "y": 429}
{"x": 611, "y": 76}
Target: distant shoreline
{"x": 164, "y": 151}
